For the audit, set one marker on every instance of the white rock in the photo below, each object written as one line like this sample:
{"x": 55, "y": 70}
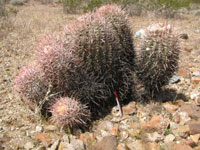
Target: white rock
{"x": 197, "y": 74}
{"x": 65, "y": 138}
{"x": 123, "y": 135}
{"x": 38, "y": 128}
{"x": 29, "y": 145}
{"x": 115, "y": 111}
{"x": 169, "y": 138}
{"x": 104, "y": 133}
{"x": 184, "y": 117}
{"x": 140, "y": 34}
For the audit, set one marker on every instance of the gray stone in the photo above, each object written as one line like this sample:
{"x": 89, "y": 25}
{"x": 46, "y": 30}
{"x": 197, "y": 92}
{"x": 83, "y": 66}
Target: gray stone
{"x": 153, "y": 137}
{"x": 197, "y": 13}
{"x": 78, "y": 144}
{"x": 192, "y": 109}
{"x": 106, "y": 125}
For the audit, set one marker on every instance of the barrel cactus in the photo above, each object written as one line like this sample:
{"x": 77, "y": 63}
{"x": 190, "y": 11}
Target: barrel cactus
{"x": 70, "y": 112}
{"x": 104, "y": 45}
{"x": 157, "y": 58}
{"x": 31, "y": 83}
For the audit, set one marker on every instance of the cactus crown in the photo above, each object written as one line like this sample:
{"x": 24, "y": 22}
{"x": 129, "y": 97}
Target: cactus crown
{"x": 70, "y": 112}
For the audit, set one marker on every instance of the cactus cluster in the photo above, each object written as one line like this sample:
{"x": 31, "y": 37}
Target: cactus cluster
{"x": 92, "y": 61}
{"x": 158, "y": 56}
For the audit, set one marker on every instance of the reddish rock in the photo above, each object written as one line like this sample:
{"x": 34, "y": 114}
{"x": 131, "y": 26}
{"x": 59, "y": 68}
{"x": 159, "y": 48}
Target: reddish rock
{"x": 176, "y": 118}
{"x": 192, "y": 109}
{"x": 194, "y": 128}
{"x": 196, "y": 80}
{"x": 115, "y": 130}
{"x": 87, "y": 138}
{"x": 188, "y": 49}
{"x": 190, "y": 142}
{"x": 129, "y": 109}
{"x": 178, "y": 102}
{"x": 182, "y": 146}
{"x": 45, "y": 138}
{"x": 154, "y": 124}
{"x": 183, "y": 72}
{"x": 153, "y": 146}
{"x": 170, "y": 107}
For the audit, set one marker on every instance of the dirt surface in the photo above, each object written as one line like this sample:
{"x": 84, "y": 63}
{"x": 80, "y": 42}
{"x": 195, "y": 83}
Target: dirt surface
{"x": 19, "y": 34}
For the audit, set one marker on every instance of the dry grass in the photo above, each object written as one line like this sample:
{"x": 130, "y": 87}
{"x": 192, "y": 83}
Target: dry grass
{"x": 18, "y": 37}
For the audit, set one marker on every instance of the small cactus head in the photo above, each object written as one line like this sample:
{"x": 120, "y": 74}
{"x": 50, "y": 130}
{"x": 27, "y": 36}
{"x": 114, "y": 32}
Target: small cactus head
{"x": 30, "y": 82}
{"x": 55, "y": 57}
{"x": 70, "y": 112}
{"x": 158, "y": 57}
{"x": 160, "y": 28}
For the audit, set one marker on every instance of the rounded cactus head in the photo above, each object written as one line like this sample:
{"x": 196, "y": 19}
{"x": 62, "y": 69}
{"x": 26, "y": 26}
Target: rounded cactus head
{"x": 158, "y": 57}
{"x": 160, "y": 28}
{"x": 70, "y": 112}
{"x": 31, "y": 83}
{"x": 55, "y": 56}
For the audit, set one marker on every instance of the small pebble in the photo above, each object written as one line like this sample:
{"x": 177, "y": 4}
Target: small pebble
{"x": 38, "y": 128}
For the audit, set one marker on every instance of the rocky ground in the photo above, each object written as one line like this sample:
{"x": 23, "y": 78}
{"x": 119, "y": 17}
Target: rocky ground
{"x": 170, "y": 122}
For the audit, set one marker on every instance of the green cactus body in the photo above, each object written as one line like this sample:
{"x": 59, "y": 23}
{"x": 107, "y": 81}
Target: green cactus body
{"x": 157, "y": 57}
{"x": 70, "y": 112}
{"x": 31, "y": 83}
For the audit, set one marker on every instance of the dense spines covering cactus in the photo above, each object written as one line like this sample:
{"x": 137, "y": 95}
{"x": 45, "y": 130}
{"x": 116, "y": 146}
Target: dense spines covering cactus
{"x": 158, "y": 57}
{"x": 55, "y": 56}
{"x": 70, "y": 112}
{"x": 93, "y": 58}
{"x": 31, "y": 83}
{"x": 105, "y": 47}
